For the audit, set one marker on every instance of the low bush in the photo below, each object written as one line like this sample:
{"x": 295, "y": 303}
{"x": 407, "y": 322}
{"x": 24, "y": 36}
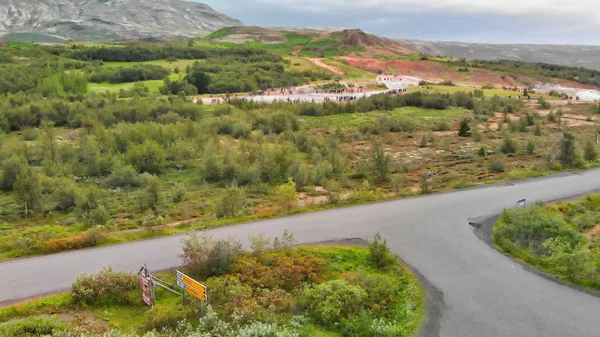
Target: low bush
{"x": 88, "y": 239}
{"x": 206, "y": 257}
{"x": 104, "y": 288}
{"x": 509, "y": 145}
{"x": 32, "y": 327}
{"x": 380, "y": 252}
{"x": 159, "y": 318}
{"x": 497, "y": 166}
{"x": 332, "y": 301}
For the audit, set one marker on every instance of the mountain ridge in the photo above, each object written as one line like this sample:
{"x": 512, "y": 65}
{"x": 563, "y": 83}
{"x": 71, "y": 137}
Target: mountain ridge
{"x": 111, "y": 19}
{"x": 573, "y": 55}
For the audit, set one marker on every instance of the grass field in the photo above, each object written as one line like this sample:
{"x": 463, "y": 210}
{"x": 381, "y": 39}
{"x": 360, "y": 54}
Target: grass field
{"x": 181, "y": 64}
{"x": 153, "y": 85}
{"x": 422, "y": 118}
{"x": 487, "y": 92}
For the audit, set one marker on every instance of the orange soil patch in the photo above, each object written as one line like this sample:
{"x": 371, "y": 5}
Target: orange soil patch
{"x": 430, "y": 70}
{"x": 326, "y": 66}
{"x": 594, "y": 231}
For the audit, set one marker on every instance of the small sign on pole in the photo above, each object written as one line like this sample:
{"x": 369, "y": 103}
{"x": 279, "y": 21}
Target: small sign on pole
{"x": 147, "y": 286}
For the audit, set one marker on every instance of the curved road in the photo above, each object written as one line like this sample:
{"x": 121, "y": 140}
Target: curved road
{"x": 485, "y": 293}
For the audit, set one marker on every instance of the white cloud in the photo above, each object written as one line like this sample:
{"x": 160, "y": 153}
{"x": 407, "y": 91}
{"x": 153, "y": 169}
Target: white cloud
{"x": 585, "y": 12}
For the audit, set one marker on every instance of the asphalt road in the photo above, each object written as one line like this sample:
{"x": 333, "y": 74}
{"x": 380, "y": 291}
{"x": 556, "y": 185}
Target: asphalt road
{"x": 485, "y": 293}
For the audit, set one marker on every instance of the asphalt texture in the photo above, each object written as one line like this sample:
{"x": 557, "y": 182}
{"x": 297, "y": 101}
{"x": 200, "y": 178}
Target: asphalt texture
{"x": 485, "y": 293}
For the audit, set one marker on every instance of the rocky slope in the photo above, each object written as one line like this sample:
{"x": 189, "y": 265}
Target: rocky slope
{"x": 111, "y": 19}
{"x": 569, "y": 55}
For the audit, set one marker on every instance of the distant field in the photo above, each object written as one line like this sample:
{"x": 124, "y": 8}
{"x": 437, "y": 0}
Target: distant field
{"x": 301, "y": 64}
{"x": 487, "y": 92}
{"x": 419, "y": 116}
{"x": 154, "y": 85}
{"x": 182, "y": 64}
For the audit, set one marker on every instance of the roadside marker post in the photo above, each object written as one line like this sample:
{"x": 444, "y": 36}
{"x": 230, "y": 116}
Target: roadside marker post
{"x": 521, "y": 203}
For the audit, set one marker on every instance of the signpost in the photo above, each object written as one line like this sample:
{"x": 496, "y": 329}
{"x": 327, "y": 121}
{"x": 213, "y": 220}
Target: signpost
{"x": 147, "y": 286}
{"x": 193, "y": 287}
{"x": 189, "y": 285}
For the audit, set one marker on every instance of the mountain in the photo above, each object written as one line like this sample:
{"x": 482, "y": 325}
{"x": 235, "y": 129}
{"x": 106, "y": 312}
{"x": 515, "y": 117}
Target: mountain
{"x": 568, "y": 55}
{"x": 109, "y": 19}
{"x": 313, "y": 42}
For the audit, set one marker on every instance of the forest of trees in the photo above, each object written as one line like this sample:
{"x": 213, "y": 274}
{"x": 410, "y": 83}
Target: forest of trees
{"x": 134, "y": 73}
{"x": 232, "y": 75}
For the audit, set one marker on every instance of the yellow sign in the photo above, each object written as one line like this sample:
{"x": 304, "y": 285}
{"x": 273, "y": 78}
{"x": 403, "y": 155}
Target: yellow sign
{"x": 196, "y": 293}
{"x": 194, "y": 284}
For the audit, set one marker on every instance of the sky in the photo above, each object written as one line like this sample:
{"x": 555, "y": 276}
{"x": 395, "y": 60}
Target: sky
{"x": 491, "y": 21}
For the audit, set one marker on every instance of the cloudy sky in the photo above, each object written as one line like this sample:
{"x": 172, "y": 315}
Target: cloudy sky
{"x": 494, "y": 21}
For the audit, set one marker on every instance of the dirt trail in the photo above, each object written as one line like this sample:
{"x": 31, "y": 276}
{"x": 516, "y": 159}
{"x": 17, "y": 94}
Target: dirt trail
{"x": 323, "y": 65}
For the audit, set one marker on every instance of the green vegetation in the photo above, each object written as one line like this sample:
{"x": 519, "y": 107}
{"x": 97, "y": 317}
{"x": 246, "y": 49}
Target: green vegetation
{"x": 219, "y": 33}
{"x": 275, "y": 290}
{"x": 560, "y": 238}
{"x": 85, "y": 164}
{"x": 518, "y": 68}
{"x": 135, "y": 73}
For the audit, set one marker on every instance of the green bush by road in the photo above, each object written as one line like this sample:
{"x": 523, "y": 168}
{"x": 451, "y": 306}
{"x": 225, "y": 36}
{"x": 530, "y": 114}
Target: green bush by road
{"x": 560, "y": 238}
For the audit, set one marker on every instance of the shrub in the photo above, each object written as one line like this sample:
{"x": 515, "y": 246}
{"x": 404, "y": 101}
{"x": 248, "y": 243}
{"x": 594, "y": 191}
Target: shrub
{"x": 332, "y": 301}
{"x": 380, "y": 162}
{"x": 357, "y": 325}
{"x": 567, "y": 151}
{"x": 231, "y": 203}
{"x": 88, "y": 239}
{"x": 382, "y": 328}
{"x": 589, "y": 152}
{"x": 497, "y": 166}
{"x": 123, "y": 176}
{"x": 33, "y": 327}
{"x": 509, "y": 145}
{"x": 384, "y": 291}
{"x": 572, "y": 261}
{"x": 104, "y": 288}
{"x": 531, "y": 147}
{"x": 543, "y": 104}
{"x": 482, "y": 152}
{"x": 207, "y": 257}
{"x": 533, "y": 228}
{"x": 464, "y": 130}
{"x": 178, "y": 193}
{"x": 148, "y": 157}
{"x": 286, "y": 194}
{"x": 159, "y": 318}
{"x": 380, "y": 252}
{"x": 91, "y": 209}
{"x": 11, "y": 168}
